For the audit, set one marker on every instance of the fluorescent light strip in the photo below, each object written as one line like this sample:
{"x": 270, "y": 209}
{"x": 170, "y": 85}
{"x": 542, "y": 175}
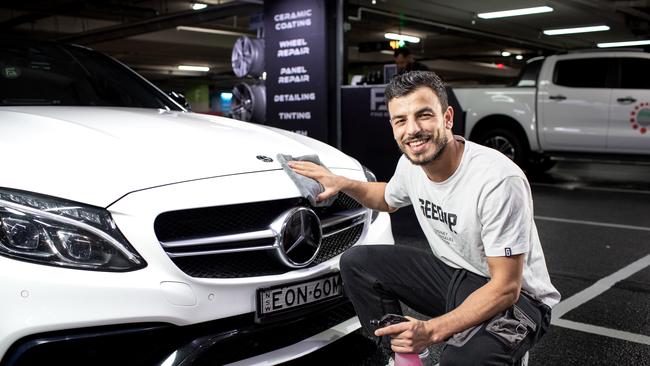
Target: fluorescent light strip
{"x": 515, "y": 12}
{"x": 402, "y": 37}
{"x": 193, "y": 68}
{"x": 213, "y": 31}
{"x": 595, "y": 28}
{"x": 623, "y": 44}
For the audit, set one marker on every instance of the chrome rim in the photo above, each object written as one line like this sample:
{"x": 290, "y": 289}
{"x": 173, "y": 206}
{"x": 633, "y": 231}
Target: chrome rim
{"x": 502, "y": 145}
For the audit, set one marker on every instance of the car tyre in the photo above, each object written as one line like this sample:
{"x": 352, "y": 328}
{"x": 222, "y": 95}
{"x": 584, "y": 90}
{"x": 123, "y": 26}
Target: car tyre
{"x": 507, "y": 143}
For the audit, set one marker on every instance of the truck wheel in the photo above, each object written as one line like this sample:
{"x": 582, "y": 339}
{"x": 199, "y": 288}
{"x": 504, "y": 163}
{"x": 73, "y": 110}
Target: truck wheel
{"x": 506, "y": 142}
{"x": 540, "y": 164}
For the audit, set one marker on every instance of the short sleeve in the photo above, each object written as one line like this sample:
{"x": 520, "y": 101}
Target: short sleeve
{"x": 396, "y": 194}
{"x": 506, "y": 218}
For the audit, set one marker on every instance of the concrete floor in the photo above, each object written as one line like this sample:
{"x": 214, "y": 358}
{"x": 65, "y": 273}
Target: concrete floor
{"x": 594, "y": 226}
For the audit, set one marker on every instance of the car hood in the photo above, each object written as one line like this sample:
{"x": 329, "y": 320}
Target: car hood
{"x": 97, "y": 155}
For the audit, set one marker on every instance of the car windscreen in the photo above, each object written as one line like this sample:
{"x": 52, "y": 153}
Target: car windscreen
{"x": 53, "y": 74}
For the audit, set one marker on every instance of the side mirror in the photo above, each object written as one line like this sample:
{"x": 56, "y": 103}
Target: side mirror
{"x": 180, "y": 99}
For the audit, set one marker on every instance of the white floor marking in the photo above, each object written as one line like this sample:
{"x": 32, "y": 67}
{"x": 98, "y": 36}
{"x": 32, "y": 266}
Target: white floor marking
{"x": 574, "y": 186}
{"x": 592, "y": 223}
{"x": 599, "y": 287}
{"x": 607, "y": 332}
{"x": 593, "y": 291}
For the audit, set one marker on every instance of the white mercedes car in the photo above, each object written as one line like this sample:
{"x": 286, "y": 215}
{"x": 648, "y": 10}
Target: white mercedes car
{"x": 134, "y": 232}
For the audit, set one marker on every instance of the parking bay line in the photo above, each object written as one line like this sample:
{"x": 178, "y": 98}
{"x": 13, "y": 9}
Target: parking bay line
{"x": 574, "y": 186}
{"x": 593, "y": 291}
{"x": 598, "y": 330}
{"x": 592, "y": 223}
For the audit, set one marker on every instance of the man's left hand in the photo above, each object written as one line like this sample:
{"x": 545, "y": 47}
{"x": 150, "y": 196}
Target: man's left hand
{"x": 407, "y": 337}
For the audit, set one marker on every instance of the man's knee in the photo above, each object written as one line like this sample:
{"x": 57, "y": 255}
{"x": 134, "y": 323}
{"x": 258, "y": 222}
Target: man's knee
{"x": 353, "y": 258}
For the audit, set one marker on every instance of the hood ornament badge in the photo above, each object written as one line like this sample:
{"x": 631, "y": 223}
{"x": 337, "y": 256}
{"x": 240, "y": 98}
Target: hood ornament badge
{"x": 265, "y": 159}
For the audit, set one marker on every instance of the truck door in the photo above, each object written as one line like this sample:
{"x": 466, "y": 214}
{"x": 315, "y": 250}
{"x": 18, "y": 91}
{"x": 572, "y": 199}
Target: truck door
{"x": 629, "y": 128}
{"x": 574, "y": 104}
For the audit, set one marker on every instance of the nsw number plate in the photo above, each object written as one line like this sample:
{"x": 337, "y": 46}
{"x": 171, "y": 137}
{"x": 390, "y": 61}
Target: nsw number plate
{"x": 286, "y": 296}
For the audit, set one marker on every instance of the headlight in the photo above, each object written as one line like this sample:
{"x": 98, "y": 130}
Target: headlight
{"x": 371, "y": 177}
{"x": 62, "y": 233}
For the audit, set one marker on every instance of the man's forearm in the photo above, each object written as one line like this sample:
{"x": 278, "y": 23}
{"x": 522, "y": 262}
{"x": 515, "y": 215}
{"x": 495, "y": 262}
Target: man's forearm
{"x": 369, "y": 194}
{"x": 481, "y": 305}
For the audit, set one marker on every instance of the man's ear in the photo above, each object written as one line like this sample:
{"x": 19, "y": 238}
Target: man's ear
{"x": 449, "y": 118}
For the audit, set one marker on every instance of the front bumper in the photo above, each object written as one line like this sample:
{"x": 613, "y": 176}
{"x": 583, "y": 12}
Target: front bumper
{"x": 213, "y": 343}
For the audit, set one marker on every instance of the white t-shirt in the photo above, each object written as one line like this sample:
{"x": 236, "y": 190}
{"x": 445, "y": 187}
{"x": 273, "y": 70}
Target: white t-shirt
{"x": 484, "y": 209}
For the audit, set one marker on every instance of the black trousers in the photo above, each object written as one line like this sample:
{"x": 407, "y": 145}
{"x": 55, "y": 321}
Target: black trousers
{"x": 377, "y": 277}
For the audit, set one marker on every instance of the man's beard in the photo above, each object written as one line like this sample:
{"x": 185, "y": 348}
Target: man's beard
{"x": 439, "y": 143}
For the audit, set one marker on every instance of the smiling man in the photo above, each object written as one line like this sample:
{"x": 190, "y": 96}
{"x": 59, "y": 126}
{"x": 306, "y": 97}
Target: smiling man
{"x": 484, "y": 283}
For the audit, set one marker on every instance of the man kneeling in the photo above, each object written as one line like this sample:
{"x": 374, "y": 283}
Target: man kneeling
{"x": 484, "y": 283}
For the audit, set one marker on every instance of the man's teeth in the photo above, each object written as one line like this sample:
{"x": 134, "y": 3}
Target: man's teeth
{"x": 417, "y": 142}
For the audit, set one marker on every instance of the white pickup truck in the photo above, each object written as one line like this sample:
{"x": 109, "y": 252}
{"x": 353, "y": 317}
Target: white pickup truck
{"x": 593, "y": 105}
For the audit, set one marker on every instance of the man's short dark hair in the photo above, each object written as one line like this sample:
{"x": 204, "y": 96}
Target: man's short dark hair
{"x": 404, "y": 51}
{"x": 407, "y": 83}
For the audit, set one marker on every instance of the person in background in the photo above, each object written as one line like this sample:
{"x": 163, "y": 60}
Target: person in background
{"x": 405, "y": 61}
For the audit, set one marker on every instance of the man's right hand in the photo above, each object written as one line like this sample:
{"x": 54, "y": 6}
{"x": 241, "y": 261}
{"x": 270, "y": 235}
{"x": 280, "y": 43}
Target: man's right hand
{"x": 330, "y": 182}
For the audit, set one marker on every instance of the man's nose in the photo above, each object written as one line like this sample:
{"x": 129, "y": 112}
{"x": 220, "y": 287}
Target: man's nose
{"x": 412, "y": 126}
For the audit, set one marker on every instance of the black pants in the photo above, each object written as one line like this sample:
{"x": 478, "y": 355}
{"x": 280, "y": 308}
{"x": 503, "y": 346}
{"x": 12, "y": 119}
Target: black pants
{"x": 377, "y": 277}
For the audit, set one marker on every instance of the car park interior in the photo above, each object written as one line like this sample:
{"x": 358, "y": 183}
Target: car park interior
{"x": 147, "y": 216}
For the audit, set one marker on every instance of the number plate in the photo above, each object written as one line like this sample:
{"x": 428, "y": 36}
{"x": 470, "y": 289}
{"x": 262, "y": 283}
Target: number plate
{"x": 277, "y": 299}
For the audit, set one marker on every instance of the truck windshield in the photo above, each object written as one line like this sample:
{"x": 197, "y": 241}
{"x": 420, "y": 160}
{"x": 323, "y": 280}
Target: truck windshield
{"x": 529, "y": 74}
{"x": 38, "y": 74}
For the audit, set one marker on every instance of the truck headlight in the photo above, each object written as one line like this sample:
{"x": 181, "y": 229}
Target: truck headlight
{"x": 58, "y": 232}
{"x": 371, "y": 177}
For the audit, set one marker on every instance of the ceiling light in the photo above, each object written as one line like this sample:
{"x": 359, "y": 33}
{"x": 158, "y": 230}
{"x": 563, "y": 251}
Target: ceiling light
{"x": 199, "y": 6}
{"x": 595, "y": 28}
{"x": 519, "y": 57}
{"x": 623, "y": 44}
{"x": 402, "y": 37}
{"x": 193, "y": 68}
{"x": 505, "y": 53}
{"x": 515, "y": 12}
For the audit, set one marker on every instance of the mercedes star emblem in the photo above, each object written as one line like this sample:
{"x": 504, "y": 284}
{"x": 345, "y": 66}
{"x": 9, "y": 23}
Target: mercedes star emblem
{"x": 265, "y": 159}
{"x": 299, "y": 236}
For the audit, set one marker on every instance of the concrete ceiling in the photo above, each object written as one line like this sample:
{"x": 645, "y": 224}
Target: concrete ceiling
{"x": 144, "y": 33}
{"x": 465, "y": 47}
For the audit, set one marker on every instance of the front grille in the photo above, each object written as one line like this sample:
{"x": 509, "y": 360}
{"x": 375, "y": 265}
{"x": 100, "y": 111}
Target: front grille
{"x": 234, "y": 241}
{"x": 231, "y": 265}
{"x": 338, "y": 243}
{"x": 221, "y": 220}
{"x": 261, "y": 262}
